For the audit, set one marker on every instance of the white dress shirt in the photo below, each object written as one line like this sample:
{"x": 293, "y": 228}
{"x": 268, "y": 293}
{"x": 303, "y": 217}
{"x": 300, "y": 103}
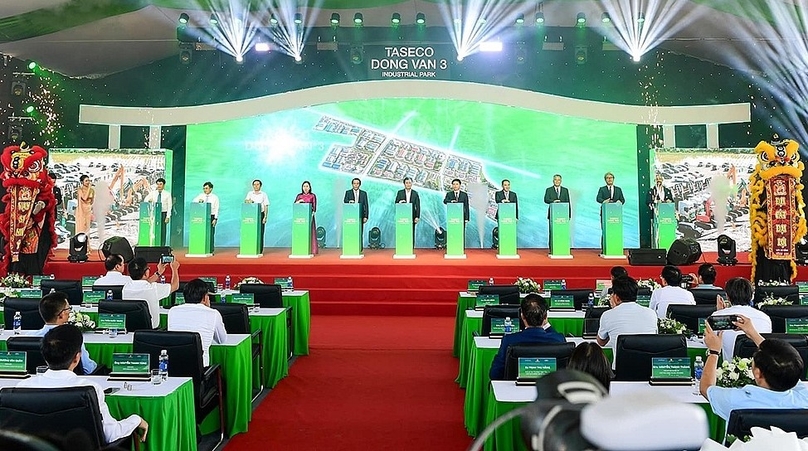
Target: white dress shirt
{"x": 151, "y": 292}
{"x": 662, "y": 297}
{"x": 626, "y": 318}
{"x": 165, "y": 200}
{"x": 213, "y": 200}
{"x": 113, "y": 278}
{"x": 258, "y": 198}
{"x": 113, "y": 429}
{"x": 87, "y": 363}
{"x": 202, "y": 319}
{"x": 760, "y": 320}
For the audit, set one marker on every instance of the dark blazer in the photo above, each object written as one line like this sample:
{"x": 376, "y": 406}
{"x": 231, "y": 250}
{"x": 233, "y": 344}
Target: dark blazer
{"x": 461, "y": 197}
{"x": 652, "y": 195}
{"x": 414, "y": 200}
{"x": 603, "y": 194}
{"x": 499, "y": 196}
{"x": 529, "y": 335}
{"x": 363, "y": 199}
{"x": 550, "y": 197}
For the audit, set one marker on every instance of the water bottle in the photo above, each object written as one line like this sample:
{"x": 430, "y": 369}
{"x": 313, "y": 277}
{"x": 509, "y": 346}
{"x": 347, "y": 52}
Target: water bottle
{"x": 53, "y": 276}
{"x": 109, "y": 295}
{"x": 591, "y": 300}
{"x": 53, "y": 290}
{"x": 162, "y": 278}
{"x": 163, "y": 364}
{"x": 563, "y": 284}
{"x": 227, "y": 282}
{"x": 698, "y": 370}
{"x": 289, "y": 283}
{"x": 17, "y": 322}
{"x": 490, "y": 281}
{"x": 508, "y": 325}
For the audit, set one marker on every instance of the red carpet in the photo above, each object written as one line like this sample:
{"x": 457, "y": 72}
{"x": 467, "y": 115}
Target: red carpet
{"x": 376, "y": 383}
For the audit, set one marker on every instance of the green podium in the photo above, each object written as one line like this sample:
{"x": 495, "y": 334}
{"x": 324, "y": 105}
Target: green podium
{"x": 250, "y": 244}
{"x": 149, "y": 225}
{"x": 455, "y": 231}
{"x": 301, "y": 231}
{"x": 611, "y": 226}
{"x": 560, "y": 230}
{"x": 404, "y": 232}
{"x": 199, "y": 230}
{"x": 351, "y": 231}
{"x": 664, "y": 225}
{"x": 506, "y": 224}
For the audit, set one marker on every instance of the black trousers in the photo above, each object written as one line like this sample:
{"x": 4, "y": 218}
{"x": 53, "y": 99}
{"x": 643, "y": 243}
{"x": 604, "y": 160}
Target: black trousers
{"x": 163, "y": 229}
{"x": 212, "y": 232}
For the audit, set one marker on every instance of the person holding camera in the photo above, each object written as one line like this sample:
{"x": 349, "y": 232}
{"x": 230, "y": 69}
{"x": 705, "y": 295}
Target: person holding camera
{"x": 670, "y": 293}
{"x": 739, "y": 302}
{"x": 141, "y": 288}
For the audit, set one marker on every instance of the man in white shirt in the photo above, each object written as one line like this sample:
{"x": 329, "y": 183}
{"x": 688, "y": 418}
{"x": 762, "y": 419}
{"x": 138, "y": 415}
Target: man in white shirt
{"x": 61, "y": 348}
{"x": 141, "y": 288}
{"x": 670, "y": 293}
{"x": 114, "y": 275}
{"x": 625, "y": 316}
{"x": 208, "y": 196}
{"x": 256, "y": 196}
{"x": 739, "y": 302}
{"x": 197, "y": 316}
{"x": 159, "y": 196}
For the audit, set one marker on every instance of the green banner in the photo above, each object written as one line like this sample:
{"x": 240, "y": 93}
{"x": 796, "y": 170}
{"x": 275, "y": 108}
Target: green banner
{"x": 665, "y": 225}
{"x": 611, "y": 217}
{"x": 404, "y": 231}
{"x": 506, "y": 225}
{"x": 199, "y": 230}
{"x": 351, "y": 231}
{"x": 455, "y": 231}
{"x": 250, "y": 245}
{"x": 301, "y": 231}
{"x": 149, "y": 225}
{"x": 560, "y": 230}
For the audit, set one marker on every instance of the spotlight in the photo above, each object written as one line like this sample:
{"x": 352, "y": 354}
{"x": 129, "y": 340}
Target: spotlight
{"x": 335, "y": 19}
{"x": 186, "y": 53}
{"x": 726, "y": 251}
{"x": 183, "y": 18}
{"x": 440, "y": 239}
{"x": 14, "y": 133}
{"x": 375, "y": 238}
{"x": 298, "y": 59}
{"x": 32, "y": 65}
{"x": 78, "y": 248}
{"x": 640, "y": 19}
{"x": 320, "y": 234}
{"x": 395, "y": 19}
{"x": 581, "y": 54}
{"x": 540, "y": 18}
{"x": 420, "y": 18}
{"x": 357, "y": 19}
{"x": 239, "y": 59}
{"x": 605, "y": 18}
{"x": 272, "y": 19}
{"x": 357, "y": 54}
{"x": 801, "y": 249}
{"x": 262, "y": 46}
{"x": 521, "y": 53}
{"x": 495, "y": 238}
{"x": 298, "y": 18}
{"x": 213, "y": 19}
{"x": 29, "y": 109}
{"x": 580, "y": 20}
{"x": 18, "y": 88}
{"x": 520, "y": 19}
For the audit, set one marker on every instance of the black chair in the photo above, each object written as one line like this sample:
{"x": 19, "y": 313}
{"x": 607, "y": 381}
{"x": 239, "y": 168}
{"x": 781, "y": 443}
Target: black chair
{"x": 592, "y": 320}
{"x": 744, "y": 347}
{"x": 71, "y": 288}
{"x": 185, "y": 355}
{"x": 56, "y": 412}
{"x": 117, "y": 290}
{"x": 706, "y": 296}
{"x": 29, "y": 311}
{"x": 31, "y": 346}
{"x": 508, "y": 294}
{"x": 787, "y": 292}
{"x": 689, "y": 315}
{"x": 741, "y": 421}
{"x": 579, "y": 297}
{"x": 499, "y": 311}
{"x": 137, "y": 312}
{"x": 633, "y": 354}
{"x": 266, "y": 295}
{"x": 236, "y": 320}
{"x": 23, "y": 442}
{"x": 779, "y": 313}
{"x": 560, "y": 351}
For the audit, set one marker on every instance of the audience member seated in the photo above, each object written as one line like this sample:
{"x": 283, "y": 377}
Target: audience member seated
{"x": 589, "y": 358}
{"x": 615, "y": 272}
{"x": 625, "y": 316}
{"x": 197, "y": 316}
{"x": 670, "y": 293}
{"x": 739, "y": 302}
{"x": 141, "y": 287}
{"x": 61, "y": 348}
{"x": 776, "y": 367}
{"x": 55, "y": 311}
{"x": 704, "y": 278}
{"x": 533, "y": 314}
{"x": 114, "y": 276}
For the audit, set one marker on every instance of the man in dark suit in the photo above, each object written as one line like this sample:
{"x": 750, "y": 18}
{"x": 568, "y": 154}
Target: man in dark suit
{"x": 410, "y": 196}
{"x": 556, "y": 194}
{"x": 358, "y": 196}
{"x": 506, "y": 196}
{"x": 610, "y": 193}
{"x": 456, "y": 196}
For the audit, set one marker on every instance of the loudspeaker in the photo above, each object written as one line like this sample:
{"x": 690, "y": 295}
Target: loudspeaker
{"x": 118, "y": 245}
{"x": 152, "y": 254}
{"x": 646, "y": 257}
{"x": 684, "y": 252}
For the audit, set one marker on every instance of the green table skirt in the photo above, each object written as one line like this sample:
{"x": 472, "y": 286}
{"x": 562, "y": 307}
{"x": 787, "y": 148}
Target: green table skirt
{"x": 275, "y": 352}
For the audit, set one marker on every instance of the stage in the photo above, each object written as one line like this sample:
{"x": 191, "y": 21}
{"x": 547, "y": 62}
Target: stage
{"x": 380, "y": 285}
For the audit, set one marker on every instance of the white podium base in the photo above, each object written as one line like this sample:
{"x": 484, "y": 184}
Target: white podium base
{"x": 454, "y": 257}
{"x": 612, "y": 257}
{"x": 249, "y": 255}
{"x": 352, "y": 257}
{"x": 508, "y": 257}
{"x": 198, "y": 255}
{"x": 301, "y": 256}
{"x": 403, "y": 257}
{"x": 560, "y": 257}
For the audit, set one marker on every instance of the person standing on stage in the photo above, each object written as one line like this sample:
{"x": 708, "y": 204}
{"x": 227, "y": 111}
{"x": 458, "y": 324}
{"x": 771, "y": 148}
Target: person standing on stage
{"x": 658, "y": 194}
{"x": 410, "y": 196}
{"x": 307, "y": 196}
{"x": 85, "y": 195}
{"x": 610, "y": 193}
{"x": 556, "y": 194}
{"x": 358, "y": 196}
{"x": 208, "y": 196}
{"x": 506, "y": 196}
{"x": 164, "y": 198}
{"x": 455, "y": 196}
{"x": 256, "y": 196}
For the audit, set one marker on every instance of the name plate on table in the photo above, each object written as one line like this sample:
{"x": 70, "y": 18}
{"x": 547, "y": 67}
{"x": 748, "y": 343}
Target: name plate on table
{"x": 797, "y": 326}
{"x": 486, "y": 299}
{"x": 133, "y": 364}
{"x": 29, "y": 293}
{"x": 802, "y": 287}
{"x": 562, "y": 302}
{"x": 92, "y": 297}
{"x": 13, "y": 361}
{"x": 88, "y": 281}
{"x": 37, "y": 280}
{"x": 553, "y": 284}
{"x": 535, "y": 367}
{"x": 474, "y": 285}
{"x": 115, "y": 321}
{"x": 670, "y": 370}
{"x": 243, "y": 298}
{"x": 179, "y": 298}
{"x": 498, "y": 326}
{"x": 644, "y": 300}
{"x": 284, "y": 282}
{"x": 803, "y": 300}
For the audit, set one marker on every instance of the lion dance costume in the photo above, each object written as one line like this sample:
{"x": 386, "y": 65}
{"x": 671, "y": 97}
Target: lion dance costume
{"x": 27, "y": 221}
{"x": 776, "y": 210}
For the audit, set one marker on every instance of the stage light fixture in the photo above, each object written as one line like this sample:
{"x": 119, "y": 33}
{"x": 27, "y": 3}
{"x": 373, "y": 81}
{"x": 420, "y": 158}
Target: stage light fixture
{"x": 358, "y": 19}
{"x": 357, "y": 54}
{"x": 521, "y": 53}
{"x": 539, "y": 18}
{"x": 801, "y": 249}
{"x": 273, "y": 19}
{"x": 15, "y": 133}
{"x": 420, "y": 19}
{"x": 726, "y": 251}
{"x": 395, "y": 19}
{"x": 183, "y": 18}
{"x": 520, "y": 19}
{"x": 78, "y": 248}
{"x": 262, "y": 47}
{"x": 440, "y": 239}
{"x": 320, "y": 234}
{"x": 32, "y": 65}
{"x": 213, "y": 19}
{"x": 581, "y": 54}
{"x": 239, "y": 59}
{"x": 375, "y": 238}
{"x": 605, "y": 18}
{"x": 186, "y": 53}
{"x": 19, "y": 88}
{"x": 335, "y": 19}
{"x": 298, "y": 18}
{"x": 29, "y": 109}
{"x": 495, "y": 238}
{"x": 640, "y": 19}
{"x": 580, "y": 20}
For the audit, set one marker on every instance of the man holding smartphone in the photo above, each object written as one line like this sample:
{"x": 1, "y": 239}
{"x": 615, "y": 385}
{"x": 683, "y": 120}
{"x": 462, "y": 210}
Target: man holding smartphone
{"x": 141, "y": 288}
{"x": 739, "y": 302}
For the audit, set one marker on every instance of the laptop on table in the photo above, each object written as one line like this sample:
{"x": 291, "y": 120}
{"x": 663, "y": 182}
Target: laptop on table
{"x": 130, "y": 367}
{"x": 485, "y": 299}
{"x": 13, "y": 365}
{"x": 531, "y": 368}
{"x": 562, "y": 302}
{"x": 670, "y": 371}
